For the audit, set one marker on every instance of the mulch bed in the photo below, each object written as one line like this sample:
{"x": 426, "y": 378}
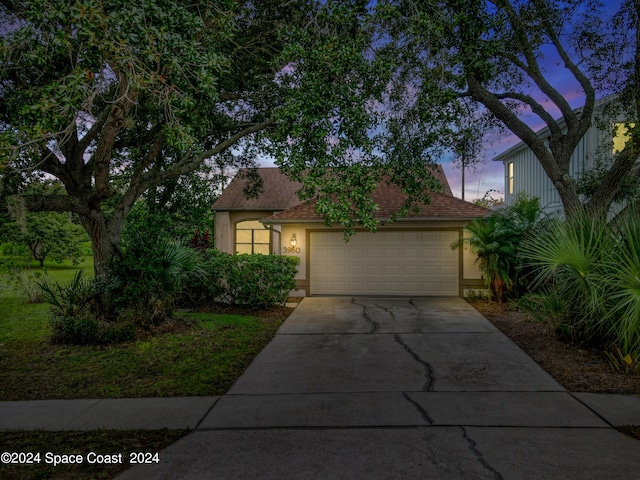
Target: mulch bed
{"x": 578, "y": 368}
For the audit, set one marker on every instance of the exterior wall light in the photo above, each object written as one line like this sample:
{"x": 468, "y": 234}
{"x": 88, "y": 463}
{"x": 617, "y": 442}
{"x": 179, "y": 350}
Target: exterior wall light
{"x": 294, "y": 240}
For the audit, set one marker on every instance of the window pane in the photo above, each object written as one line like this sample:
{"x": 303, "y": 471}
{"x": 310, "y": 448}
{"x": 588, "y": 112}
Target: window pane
{"x": 261, "y": 236}
{"x": 621, "y": 136}
{"x": 261, "y": 248}
{"x": 252, "y": 237}
{"x": 510, "y": 175}
{"x": 243, "y": 236}
{"x": 250, "y": 225}
{"x": 243, "y": 248}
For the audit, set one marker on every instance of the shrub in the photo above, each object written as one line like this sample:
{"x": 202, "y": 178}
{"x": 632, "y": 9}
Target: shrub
{"x": 146, "y": 280}
{"x": 496, "y": 241}
{"x": 595, "y": 268}
{"x": 259, "y": 281}
{"x": 67, "y": 299}
{"x": 74, "y": 330}
{"x": 200, "y": 241}
{"x": 26, "y": 281}
{"x": 569, "y": 258}
{"x": 623, "y": 279}
{"x": 72, "y": 320}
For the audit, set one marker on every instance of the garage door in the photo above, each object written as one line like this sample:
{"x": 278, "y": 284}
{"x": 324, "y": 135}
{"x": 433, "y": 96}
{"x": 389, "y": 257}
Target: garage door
{"x": 384, "y": 263}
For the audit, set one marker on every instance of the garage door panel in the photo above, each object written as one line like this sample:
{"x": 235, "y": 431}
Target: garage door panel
{"x": 384, "y": 263}
{"x": 448, "y": 271}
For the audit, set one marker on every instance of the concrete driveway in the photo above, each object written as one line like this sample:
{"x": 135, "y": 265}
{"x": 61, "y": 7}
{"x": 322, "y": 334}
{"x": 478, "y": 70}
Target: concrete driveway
{"x": 383, "y": 388}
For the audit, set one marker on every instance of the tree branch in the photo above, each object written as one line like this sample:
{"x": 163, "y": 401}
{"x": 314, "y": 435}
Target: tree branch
{"x": 147, "y": 138}
{"x": 533, "y": 69}
{"x": 589, "y": 91}
{"x": 93, "y": 132}
{"x": 189, "y": 163}
{"x": 134, "y": 190}
{"x": 615, "y": 177}
{"x": 517, "y": 126}
{"x": 535, "y": 108}
{"x": 47, "y": 203}
{"x": 233, "y": 139}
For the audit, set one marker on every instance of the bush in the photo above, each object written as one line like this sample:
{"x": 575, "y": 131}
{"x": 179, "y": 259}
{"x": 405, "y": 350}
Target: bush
{"x": 26, "y": 281}
{"x": 594, "y": 267}
{"x": 260, "y": 281}
{"x": 72, "y": 320}
{"x": 145, "y": 282}
{"x": 70, "y": 299}
{"x": 569, "y": 257}
{"x": 74, "y": 330}
{"x": 496, "y": 241}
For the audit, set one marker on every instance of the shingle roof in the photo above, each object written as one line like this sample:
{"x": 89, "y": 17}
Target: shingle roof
{"x": 390, "y": 198}
{"x": 279, "y": 193}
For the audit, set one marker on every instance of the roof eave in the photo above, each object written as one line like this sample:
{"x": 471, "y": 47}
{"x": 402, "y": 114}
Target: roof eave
{"x": 380, "y": 220}
{"x": 247, "y": 209}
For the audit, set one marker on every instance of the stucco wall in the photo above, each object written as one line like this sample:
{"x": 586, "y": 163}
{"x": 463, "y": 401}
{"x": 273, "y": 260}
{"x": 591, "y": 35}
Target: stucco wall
{"x": 222, "y": 232}
{"x": 470, "y": 268}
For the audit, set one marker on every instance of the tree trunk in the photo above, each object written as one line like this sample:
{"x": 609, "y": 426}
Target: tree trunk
{"x": 105, "y": 238}
{"x": 571, "y": 203}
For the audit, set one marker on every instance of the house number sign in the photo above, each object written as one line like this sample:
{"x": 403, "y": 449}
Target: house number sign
{"x": 291, "y": 250}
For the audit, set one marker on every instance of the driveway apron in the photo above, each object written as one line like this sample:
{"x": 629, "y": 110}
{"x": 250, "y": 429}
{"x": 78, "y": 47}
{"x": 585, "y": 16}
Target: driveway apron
{"x": 384, "y": 388}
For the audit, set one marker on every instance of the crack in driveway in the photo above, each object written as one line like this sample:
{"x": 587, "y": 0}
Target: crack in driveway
{"x": 365, "y": 315}
{"x": 429, "y": 371}
{"x": 473, "y": 446}
{"x": 420, "y": 408}
{"x": 389, "y": 311}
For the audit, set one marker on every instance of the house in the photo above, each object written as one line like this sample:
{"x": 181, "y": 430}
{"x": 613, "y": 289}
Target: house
{"x": 523, "y": 172}
{"x": 412, "y": 256}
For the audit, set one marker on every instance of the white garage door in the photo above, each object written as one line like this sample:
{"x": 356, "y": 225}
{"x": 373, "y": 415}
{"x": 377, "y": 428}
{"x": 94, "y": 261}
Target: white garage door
{"x": 384, "y": 263}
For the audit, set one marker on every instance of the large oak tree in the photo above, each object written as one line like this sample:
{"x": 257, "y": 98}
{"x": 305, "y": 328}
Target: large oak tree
{"x": 115, "y": 98}
{"x": 505, "y": 56}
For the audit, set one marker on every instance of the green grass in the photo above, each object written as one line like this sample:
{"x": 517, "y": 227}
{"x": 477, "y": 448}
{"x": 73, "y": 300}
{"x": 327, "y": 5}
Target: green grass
{"x": 203, "y": 355}
{"x": 22, "y": 322}
{"x": 62, "y": 272}
{"x": 67, "y": 443}
{"x": 200, "y": 355}
{"x": 203, "y": 359}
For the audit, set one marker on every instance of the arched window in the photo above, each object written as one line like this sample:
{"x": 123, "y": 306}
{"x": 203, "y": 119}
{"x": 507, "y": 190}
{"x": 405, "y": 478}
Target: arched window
{"x": 252, "y": 237}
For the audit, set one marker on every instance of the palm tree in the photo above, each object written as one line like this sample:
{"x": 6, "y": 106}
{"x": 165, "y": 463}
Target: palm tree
{"x": 494, "y": 240}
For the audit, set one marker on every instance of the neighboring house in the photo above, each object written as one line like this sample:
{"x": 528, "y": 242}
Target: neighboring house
{"x": 411, "y": 256}
{"x": 523, "y": 172}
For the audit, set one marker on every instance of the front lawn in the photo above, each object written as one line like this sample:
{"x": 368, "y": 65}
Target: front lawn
{"x": 195, "y": 354}
{"x": 198, "y": 354}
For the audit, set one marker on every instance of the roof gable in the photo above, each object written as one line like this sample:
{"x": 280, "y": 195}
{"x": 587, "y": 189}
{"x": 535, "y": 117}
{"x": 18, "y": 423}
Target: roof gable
{"x": 279, "y": 193}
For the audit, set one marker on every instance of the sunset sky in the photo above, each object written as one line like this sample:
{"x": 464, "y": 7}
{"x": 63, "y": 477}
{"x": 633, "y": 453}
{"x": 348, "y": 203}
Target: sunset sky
{"x": 490, "y": 174}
